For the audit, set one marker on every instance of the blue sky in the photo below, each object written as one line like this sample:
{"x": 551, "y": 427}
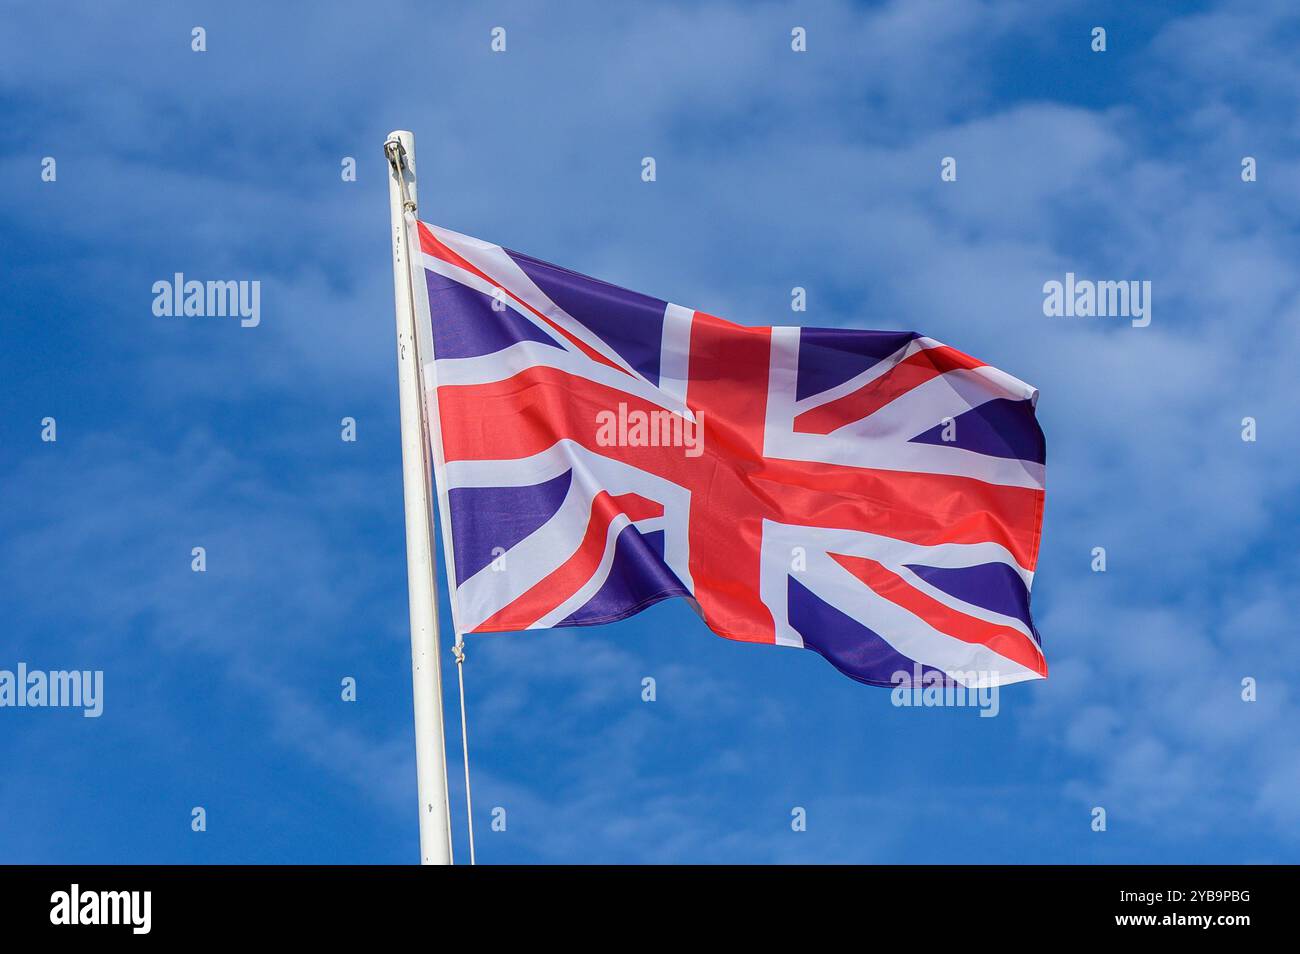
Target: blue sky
{"x": 775, "y": 169}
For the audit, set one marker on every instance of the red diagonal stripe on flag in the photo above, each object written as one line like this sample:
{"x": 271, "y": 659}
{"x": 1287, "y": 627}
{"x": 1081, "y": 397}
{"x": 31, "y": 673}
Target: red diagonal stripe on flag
{"x": 1003, "y": 640}
{"x": 909, "y": 373}
{"x": 565, "y": 580}
{"x": 429, "y": 243}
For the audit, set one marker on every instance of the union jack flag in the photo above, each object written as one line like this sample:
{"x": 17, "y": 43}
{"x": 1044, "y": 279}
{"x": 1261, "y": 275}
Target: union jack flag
{"x": 875, "y": 496}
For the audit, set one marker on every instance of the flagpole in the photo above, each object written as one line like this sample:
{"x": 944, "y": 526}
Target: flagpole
{"x": 421, "y": 578}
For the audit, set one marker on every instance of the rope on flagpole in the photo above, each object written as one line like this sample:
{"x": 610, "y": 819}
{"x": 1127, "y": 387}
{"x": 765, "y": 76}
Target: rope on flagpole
{"x": 458, "y": 650}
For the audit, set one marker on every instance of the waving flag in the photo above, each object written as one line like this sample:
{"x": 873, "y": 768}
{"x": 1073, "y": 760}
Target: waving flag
{"x": 875, "y": 496}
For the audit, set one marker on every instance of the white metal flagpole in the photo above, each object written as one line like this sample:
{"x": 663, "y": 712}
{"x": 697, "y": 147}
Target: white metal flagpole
{"x": 421, "y": 578}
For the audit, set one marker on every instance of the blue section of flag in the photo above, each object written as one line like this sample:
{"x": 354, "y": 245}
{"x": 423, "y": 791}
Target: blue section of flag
{"x": 831, "y": 356}
{"x": 999, "y": 428}
{"x": 484, "y": 519}
{"x": 468, "y": 326}
{"x": 637, "y": 578}
{"x": 847, "y": 644}
{"x": 627, "y": 321}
